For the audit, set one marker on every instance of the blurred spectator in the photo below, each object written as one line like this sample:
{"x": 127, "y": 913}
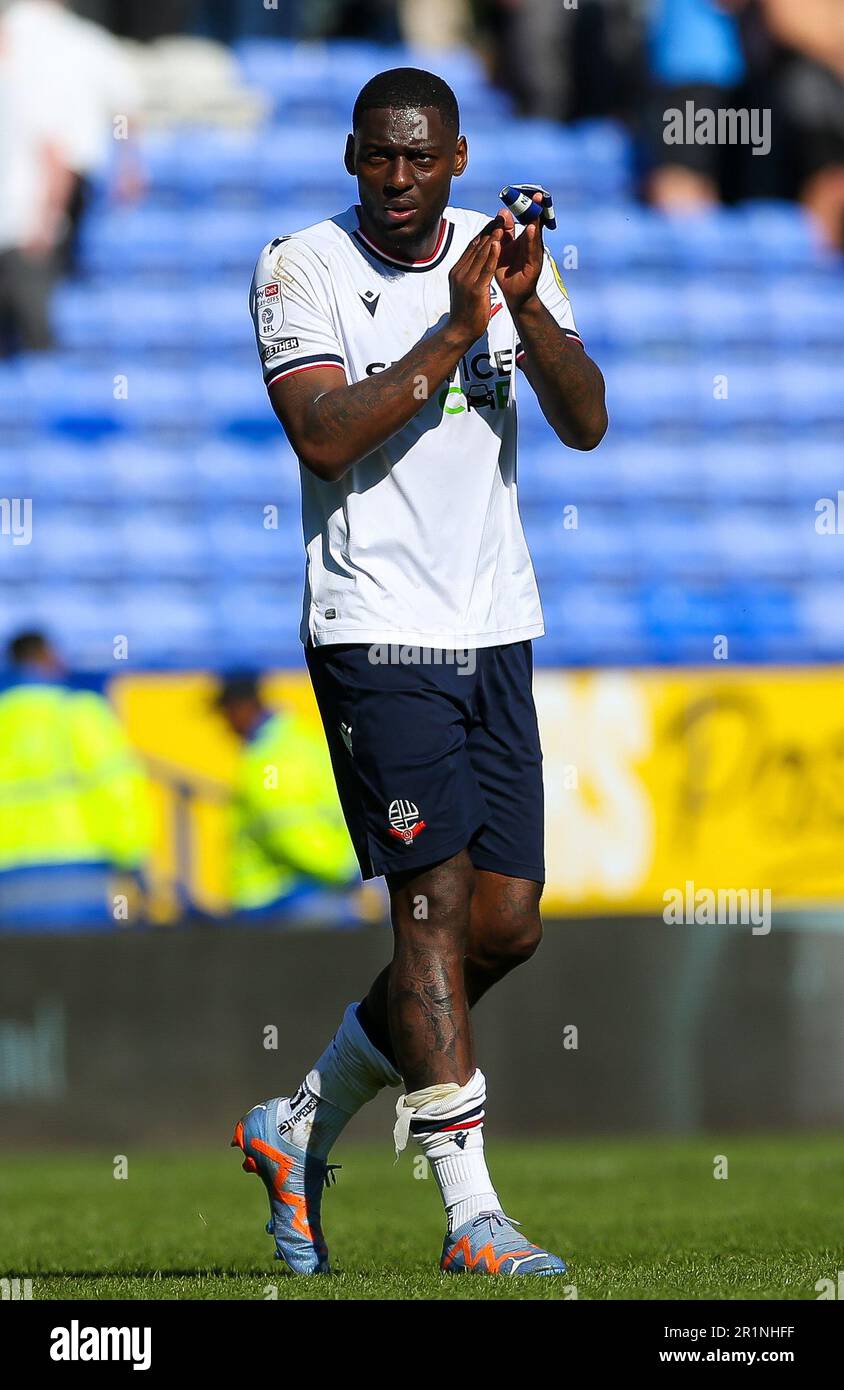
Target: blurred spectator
{"x": 36, "y": 185}
{"x": 695, "y": 56}
{"x": 563, "y": 61}
{"x": 780, "y": 59}
{"x": 88, "y": 87}
{"x": 145, "y": 20}
{"x": 74, "y": 816}
{"x": 289, "y": 839}
{"x": 797, "y": 49}
{"x": 376, "y": 20}
{"x": 435, "y": 23}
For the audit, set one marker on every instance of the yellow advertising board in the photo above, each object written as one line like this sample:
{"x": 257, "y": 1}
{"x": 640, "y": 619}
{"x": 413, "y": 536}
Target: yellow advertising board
{"x": 653, "y": 779}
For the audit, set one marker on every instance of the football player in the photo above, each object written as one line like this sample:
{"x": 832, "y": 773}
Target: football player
{"x": 389, "y": 337}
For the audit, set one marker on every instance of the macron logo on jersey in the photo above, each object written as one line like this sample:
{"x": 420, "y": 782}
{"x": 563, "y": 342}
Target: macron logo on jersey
{"x": 370, "y": 301}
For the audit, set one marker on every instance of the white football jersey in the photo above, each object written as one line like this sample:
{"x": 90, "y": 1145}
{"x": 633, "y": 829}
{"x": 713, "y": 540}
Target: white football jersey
{"x": 420, "y": 542}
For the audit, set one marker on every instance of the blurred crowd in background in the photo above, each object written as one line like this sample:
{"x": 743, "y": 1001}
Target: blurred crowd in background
{"x": 65, "y": 79}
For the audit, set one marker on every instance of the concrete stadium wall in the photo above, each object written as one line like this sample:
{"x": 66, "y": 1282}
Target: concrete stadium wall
{"x": 158, "y": 1037}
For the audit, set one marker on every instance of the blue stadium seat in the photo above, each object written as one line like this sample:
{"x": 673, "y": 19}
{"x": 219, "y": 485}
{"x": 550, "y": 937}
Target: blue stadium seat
{"x": 749, "y": 543}
{"x": 76, "y": 543}
{"x": 144, "y": 471}
{"x": 233, "y": 400}
{"x": 121, "y": 242}
{"x": 16, "y": 473}
{"x": 811, "y": 465}
{"x": 674, "y": 542}
{"x": 17, "y": 412}
{"x": 244, "y": 547}
{"x": 732, "y": 470}
{"x": 550, "y": 475}
{"x": 599, "y": 547}
{"x": 166, "y": 623}
{"x": 781, "y": 235}
{"x": 631, "y": 314}
{"x": 590, "y": 623}
{"x": 257, "y": 622}
{"x": 821, "y": 549}
{"x": 821, "y": 613}
{"x": 58, "y": 394}
{"x": 68, "y": 472}
{"x": 161, "y": 545}
{"x": 263, "y": 475}
{"x": 85, "y": 617}
{"x": 651, "y": 471}
{"x": 809, "y": 390}
{"x": 802, "y": 310}
{"x": 645, "y": 394}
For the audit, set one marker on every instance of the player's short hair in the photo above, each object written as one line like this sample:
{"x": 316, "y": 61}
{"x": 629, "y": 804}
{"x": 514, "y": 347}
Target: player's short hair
{"x": 405, "y": 88}
{"x": 26, "y": 646}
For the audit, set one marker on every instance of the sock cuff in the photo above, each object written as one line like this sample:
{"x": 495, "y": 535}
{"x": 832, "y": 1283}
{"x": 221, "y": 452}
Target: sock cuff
{"x": 449, "y": 1100}
{"x": 438, "y": 1108}
{"x": 364, "y": 1044}
{"x": 351, "y": 1070}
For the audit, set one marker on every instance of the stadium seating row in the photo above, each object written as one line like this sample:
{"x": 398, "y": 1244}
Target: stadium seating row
{"x": 608, "y": 237}
{"x": 128, "y": 396}
{"x": 229, "y": 621}
{"x": 615, "y": 312}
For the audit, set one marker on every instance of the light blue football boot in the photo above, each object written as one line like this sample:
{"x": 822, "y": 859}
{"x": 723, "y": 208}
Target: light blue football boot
{"x": 294, "y": 1180}
{"x": 489, "y": 1244}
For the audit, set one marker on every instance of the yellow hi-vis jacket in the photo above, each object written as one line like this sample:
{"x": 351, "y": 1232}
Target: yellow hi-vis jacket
{"x": 287, "y": 823}
{"x": 71, "y": 790}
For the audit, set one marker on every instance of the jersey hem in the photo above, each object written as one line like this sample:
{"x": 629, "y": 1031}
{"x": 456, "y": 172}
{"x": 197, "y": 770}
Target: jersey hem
{"x": 323, "y": 637}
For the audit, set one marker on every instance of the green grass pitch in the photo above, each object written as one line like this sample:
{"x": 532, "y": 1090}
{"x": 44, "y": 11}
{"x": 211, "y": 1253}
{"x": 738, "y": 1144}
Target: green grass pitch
{"x": 635, "y": 1219}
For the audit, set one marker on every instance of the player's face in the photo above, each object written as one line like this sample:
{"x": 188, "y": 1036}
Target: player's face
{"x": 404, "y": 160}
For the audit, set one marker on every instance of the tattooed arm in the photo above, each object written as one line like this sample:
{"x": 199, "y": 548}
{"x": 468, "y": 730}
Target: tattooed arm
{"x": 568, "y": 384}
{"x": 332, "y": 424}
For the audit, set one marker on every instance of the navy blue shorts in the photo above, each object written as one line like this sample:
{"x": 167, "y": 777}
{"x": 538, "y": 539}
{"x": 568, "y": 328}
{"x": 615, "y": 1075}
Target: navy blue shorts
{"x": 434, "y": 758}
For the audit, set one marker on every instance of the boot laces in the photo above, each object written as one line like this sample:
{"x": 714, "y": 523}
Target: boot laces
{"x": 495, "y": 1218}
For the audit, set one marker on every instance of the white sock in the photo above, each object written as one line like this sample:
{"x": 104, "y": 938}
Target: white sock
{"x": 350, "y": 1072}
{"x": 447, "y": 1123}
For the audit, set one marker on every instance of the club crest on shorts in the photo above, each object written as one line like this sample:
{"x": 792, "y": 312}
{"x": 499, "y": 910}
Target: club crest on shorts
{"x": 405, "y": 822}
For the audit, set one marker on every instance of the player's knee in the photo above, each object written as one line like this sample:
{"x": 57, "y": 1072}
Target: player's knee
{"x": 433, "y": 903}
{"x": 514, "y": 941}
{"x": 524, "y": 938}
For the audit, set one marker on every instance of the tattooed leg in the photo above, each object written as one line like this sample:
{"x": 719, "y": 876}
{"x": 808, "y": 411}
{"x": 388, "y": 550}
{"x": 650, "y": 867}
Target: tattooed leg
{"x": 416, "y": 994}
{"x": 420, "y": 1001}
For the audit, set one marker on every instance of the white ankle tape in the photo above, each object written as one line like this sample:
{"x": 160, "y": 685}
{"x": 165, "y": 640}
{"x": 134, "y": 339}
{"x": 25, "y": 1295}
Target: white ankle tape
{"x": 437, "y": 1102}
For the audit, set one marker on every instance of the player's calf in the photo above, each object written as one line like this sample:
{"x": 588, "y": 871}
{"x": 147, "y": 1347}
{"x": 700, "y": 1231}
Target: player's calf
{"x": 427, "y": 1007}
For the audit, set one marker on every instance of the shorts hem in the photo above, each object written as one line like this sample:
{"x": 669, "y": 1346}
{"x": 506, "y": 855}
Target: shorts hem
{"x": 510, "y": 868}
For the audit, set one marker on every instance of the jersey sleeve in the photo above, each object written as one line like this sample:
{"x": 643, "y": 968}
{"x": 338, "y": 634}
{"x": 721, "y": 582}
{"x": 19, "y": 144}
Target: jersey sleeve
{"x": 554, "y": 296}
{"x": 291, "y": 307}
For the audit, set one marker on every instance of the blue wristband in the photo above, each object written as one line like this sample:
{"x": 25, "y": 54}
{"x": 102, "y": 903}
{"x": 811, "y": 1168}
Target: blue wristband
{"x": 518, "y": 199}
